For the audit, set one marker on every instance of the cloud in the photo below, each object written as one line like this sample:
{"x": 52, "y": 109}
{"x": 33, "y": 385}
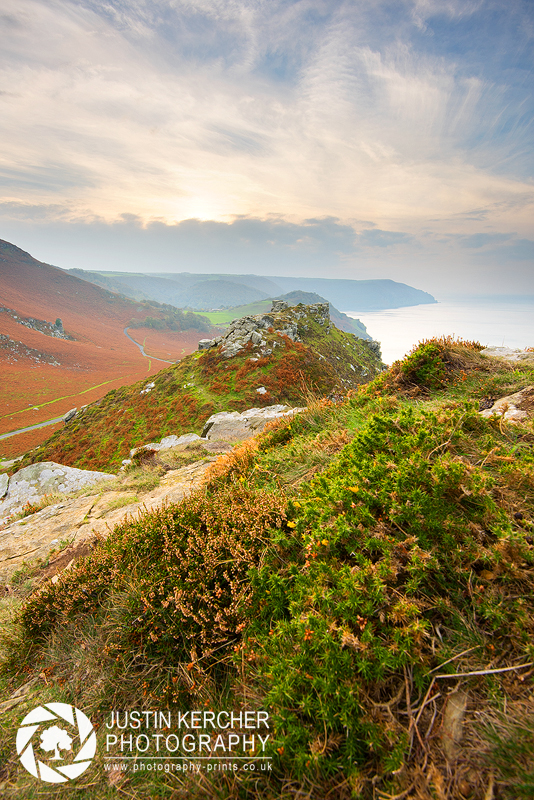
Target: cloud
{"x": 353, "y": 135}
{"x": 483, "y": 239}
{"x": 519, "y": 250}
{"x": 378, "y": 238}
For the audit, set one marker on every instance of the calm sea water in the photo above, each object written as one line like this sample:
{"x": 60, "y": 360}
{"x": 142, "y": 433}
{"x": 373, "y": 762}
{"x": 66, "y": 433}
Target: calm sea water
{"x": 500, "y": 324}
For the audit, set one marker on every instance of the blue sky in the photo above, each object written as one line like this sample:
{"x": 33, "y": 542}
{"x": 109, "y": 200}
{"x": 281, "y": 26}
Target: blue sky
{"x": 348, "y": 138}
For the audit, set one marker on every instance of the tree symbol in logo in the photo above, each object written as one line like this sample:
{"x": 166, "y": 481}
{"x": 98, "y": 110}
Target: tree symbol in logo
{"x": 56, "y": 739}
{"x": 51, "y": 728}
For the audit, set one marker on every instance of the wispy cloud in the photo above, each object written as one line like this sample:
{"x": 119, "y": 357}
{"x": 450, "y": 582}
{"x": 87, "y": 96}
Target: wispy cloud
{"x": 414, "y": 116}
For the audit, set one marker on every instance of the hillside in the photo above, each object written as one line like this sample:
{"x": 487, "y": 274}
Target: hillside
{"x": 339, "y": 319}
{"x": 293, "y": 352}
{"x": 47, "y": 368}
{"x": 200, "y": 292}
{"x": 363, "y": 573}
{"x": 349, "y": 295}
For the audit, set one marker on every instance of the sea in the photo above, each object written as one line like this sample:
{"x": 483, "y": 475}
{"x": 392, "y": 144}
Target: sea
{"x": 492, "y": 323}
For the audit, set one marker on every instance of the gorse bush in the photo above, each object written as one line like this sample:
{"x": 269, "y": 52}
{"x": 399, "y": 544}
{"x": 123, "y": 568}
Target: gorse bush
{"x": 435, "y": 362}
{"x": 395, "y": 539}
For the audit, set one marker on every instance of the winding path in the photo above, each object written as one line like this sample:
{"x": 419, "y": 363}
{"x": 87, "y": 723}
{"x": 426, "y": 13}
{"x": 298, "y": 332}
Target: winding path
{"x": 33, "y": 427}
{"x": 142, "y": 349}
{"x": 60, "y": 419}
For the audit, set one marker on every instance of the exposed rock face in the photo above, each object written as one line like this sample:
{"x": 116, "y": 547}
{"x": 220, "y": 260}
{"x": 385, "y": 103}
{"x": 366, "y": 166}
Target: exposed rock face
{"x": 515, "y": 407}
{"x": 78, "y": 520}
{"x": 4, "y": 480}
{"x": 167, "y": 443}
{"x": 32, "y": 483}
{"x": 41, "y": 325}
{"x": 231, "y": 426}
{"x": 282, "y": 320}
{"x": 523, "y": 356}
{"x": 70, "y": 415}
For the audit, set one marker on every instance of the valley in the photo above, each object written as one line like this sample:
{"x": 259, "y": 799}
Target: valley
{"x": 44, "y": 374}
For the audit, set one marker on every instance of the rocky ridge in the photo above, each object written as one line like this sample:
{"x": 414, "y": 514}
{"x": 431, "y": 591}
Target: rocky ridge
{"x": 265, "y": 330}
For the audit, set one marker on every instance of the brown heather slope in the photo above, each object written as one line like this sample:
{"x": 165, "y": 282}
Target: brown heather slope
{"x": 44, "y": 376}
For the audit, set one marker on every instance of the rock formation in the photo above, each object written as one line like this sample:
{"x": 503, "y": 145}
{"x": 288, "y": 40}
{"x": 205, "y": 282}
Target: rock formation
{"x": 31, "y": 484}
{"x": 263, "y": 330}
{"x": 516, "y": 407}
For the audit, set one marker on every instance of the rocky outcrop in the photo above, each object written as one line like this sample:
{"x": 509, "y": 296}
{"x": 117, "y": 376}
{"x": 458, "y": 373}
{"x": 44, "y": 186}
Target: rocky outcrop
{"x": 508, "y": 354}
{"x": 232, "y": 426}
{"x": 167, "y": 443}
{"x": 224, "y": 427}
{"x": 260, "y": 328}
{"x": 48, "y": 328}
{"x": 516, "y": 407}
{"x": 77, "y": 521}
{"x": 31, "y": 484}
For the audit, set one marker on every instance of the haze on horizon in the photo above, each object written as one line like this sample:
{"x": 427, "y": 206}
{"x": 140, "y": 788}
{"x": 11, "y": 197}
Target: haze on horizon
{"x": 336, "y": 138}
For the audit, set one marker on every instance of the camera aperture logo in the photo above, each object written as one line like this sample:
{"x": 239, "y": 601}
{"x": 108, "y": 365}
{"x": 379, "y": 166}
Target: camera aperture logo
{"x": 56, "y": 742}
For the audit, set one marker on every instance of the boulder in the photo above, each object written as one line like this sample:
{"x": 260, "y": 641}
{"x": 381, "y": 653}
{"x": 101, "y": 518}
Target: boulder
{"x": 515, "y": 407}
{"x": 166, "y": 443}
{"x": 70, "y": 415}
{"x": 231, "y": 426}
{"x": 31, "y": 484}
{"x": 4, "y": 480}
{"x": 508, "y": 354}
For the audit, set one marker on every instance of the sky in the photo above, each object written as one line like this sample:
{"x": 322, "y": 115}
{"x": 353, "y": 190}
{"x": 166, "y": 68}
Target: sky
{"x": 336, "y": 138}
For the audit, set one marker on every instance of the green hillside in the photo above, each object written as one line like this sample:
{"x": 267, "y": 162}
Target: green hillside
{"x": 339, "y": 319}
{"x": 363, "y": 573}
{"x": 184, "y": 395}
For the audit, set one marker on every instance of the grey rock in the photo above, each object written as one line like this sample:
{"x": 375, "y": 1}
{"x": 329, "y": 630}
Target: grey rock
{"x": 4, "y": 480}
{"x": 70, "y": 415}
{"x": 166, "y": 443}
{"x": 176, "y": 441}
{"x": 231, "y": 426}
{"x": 256, "y": 337}
{"x": 205, "y": 344}
{"x": 517, "y": 407}
{"x": 374, "y": 347}
{"x": 31, "y": 484}
{"x": 523, "y": 356}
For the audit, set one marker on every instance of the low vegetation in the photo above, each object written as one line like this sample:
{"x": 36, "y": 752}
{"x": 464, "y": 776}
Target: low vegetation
{"x": 180, "y": 398}
{"x": 173, "y": 319}
{"x": 364, "y": 571}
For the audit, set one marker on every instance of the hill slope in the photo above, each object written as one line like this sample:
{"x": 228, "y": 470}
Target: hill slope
{"x": 364, "y": 573}
{"x": 339, "y": 319}
{"x": 48, "y": 369}
{"x": 298, "y": 352}
{"x": 185, "y": 289}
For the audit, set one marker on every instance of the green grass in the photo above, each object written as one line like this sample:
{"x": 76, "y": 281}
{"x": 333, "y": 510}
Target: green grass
{"x": 331, "y": 569}
{"x": 227, "y": 316}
